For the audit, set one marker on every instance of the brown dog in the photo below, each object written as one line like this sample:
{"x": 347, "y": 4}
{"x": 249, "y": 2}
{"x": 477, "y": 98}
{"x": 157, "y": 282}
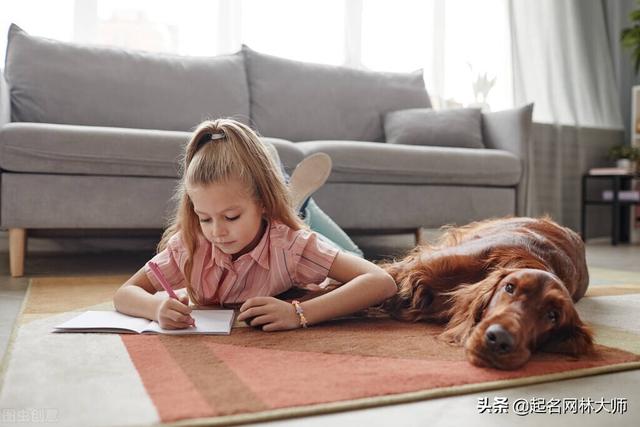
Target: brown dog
{"x": 504, "y": 287}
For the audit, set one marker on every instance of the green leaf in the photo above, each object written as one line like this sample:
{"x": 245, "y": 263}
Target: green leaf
{"x": 635, "y": 15}
{"x": 630, "y": 37}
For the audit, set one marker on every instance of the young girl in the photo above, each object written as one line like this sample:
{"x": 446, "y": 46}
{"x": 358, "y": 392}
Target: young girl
{"x": 235, "y": 238}
{"x": 309, "y": 175}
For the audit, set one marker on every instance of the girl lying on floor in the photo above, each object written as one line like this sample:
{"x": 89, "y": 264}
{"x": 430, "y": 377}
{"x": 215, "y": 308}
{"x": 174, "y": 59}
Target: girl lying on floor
{"x": 236, "y": 238}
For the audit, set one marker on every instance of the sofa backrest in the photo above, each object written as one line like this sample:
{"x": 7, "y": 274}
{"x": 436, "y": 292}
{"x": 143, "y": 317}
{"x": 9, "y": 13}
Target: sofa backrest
{"x": 66, "y": 83}
{"x": 301, "y": 101}
{"x": 57, "y": 82}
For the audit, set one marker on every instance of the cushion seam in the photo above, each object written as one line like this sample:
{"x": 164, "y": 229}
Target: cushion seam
{"x": 75, "y": 157}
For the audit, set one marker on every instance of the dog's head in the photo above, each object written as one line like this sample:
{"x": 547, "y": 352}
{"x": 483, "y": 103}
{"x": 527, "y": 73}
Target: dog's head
{"x": 502, "y": 319}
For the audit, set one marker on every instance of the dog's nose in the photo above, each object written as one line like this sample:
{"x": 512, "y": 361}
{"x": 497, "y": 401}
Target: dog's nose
{"x": 498, "y": 339}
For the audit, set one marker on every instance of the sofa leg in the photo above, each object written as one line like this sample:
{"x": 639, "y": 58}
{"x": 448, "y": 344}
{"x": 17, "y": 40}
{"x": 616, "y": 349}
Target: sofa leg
{"x": 419, "y": 236}
{"x": 17, "y": 246}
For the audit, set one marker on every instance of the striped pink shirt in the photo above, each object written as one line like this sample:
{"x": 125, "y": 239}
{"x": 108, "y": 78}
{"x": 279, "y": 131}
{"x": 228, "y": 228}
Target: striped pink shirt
{"x": 282, "y": 259}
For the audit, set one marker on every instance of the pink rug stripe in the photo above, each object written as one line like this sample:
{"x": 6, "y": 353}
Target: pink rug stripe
{"x": 170, "y": 389}
{"x": 284, "y": 378}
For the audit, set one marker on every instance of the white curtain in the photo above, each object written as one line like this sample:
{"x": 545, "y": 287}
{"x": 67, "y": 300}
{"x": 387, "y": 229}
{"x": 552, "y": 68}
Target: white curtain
{"x": 562, "y": 62}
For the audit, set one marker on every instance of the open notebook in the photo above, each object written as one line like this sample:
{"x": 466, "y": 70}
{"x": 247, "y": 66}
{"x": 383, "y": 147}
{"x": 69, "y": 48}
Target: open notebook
{"x": 213, "y": 322}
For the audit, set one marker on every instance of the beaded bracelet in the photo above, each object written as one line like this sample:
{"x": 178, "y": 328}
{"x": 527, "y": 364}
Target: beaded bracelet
{"x": 300, "y": 313}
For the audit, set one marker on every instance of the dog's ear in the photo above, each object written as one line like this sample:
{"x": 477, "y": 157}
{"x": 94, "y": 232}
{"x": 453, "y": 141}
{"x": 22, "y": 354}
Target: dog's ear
{"x": 574, "y": 339}
{"x": 468, "y": 303}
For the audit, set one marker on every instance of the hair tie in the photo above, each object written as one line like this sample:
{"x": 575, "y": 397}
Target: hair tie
{"x": 208, "y": 137}
{"x": 214, "y": 136}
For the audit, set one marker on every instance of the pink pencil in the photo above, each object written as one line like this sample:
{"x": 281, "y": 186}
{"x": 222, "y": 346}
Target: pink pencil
{"x": 163, "y": 281}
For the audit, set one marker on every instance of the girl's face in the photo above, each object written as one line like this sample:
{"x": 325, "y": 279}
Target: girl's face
{"x": 229, "y": 217}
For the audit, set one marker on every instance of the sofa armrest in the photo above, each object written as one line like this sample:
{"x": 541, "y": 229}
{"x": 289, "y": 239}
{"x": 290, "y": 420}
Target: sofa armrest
{"x": 5, "y": 101}
{"x": 510, "y": 130}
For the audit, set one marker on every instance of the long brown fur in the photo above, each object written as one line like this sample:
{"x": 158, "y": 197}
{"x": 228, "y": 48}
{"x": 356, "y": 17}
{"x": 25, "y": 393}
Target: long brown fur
{"x": 461, "y": 281}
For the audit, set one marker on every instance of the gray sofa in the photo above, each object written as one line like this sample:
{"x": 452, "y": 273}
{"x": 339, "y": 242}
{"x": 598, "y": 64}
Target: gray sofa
{"x": 86, "y": 131}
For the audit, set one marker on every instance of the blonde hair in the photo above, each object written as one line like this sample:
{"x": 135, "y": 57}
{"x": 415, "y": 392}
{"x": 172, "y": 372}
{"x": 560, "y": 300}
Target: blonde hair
{"x": 220, "y": 150}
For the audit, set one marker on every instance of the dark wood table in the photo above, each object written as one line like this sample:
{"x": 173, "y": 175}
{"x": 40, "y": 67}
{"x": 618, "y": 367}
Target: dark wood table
{"x": 620, "y": 209}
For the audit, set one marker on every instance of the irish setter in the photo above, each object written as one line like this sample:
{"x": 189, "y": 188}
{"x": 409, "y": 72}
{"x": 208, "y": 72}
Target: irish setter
{"x": 504, "y": 287}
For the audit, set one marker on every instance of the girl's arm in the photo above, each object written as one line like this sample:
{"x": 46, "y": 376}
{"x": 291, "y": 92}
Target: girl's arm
{"x": 365, "y": 284}
{"x": 136, "y": 298}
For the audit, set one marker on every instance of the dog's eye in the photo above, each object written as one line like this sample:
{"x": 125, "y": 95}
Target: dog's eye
{"x": 552, "y": 315}
{"x": 509, "y": 288}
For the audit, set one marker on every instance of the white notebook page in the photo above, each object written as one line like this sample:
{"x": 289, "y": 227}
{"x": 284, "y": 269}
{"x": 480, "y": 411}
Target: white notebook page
{"x": 207, "y": 321}
{"x": 106, "y": 320}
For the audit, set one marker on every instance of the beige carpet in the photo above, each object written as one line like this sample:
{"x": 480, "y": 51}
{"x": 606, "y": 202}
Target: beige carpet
{"x": 104, "y": 379}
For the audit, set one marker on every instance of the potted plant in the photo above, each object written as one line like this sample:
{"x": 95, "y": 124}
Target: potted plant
{"x": 625, "y": 156}
{"x": 630, "y": 38}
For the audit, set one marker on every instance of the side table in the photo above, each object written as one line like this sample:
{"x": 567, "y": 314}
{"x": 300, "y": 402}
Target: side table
{"x": 620, "y": 209}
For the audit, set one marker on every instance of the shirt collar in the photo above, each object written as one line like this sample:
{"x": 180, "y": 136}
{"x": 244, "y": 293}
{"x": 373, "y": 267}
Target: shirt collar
{"x": 260, "y": 253}
{"x": 218, "y": 257}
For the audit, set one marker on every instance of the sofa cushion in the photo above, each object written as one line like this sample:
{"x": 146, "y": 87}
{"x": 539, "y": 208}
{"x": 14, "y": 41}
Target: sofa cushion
{"x": 370, "y": 162}
{"x": 88, "y": 150}
{"x": 512, "y": 130}
{"x": 459, "y": 127}
{"x": 376, "y": 207}
{"x": 302, "y": 101}
{"x": 5, "y": 102}
{"x": 56, "y": 82}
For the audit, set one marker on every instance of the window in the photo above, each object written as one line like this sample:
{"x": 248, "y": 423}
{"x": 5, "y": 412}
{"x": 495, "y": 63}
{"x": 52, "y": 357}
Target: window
{"x": 455, "y": 42}
{"x": 476, "y": 45}
{"x": 397, "y": 36}
{"x": 311, "y": 30}
{"x": 187, "y": 28}
{"x": 53, "y": 19}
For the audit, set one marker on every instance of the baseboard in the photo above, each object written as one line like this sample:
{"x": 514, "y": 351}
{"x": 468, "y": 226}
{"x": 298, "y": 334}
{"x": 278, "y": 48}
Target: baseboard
{"x": 57, "y": 242}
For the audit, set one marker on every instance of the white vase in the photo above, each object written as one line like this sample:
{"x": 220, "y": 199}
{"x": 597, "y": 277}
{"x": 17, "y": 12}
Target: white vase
{"x": 624, "y": 164}
{"x": 486, "y": 108}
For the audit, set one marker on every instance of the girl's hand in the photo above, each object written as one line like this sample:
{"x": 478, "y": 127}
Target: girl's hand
{"x": 270, "y": 313}
{"x": 174, "y": 314}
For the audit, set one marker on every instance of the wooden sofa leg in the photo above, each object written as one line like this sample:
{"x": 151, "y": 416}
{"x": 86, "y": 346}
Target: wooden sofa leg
{"x": 17, "y": 245}
{"x": 419, "y": 236}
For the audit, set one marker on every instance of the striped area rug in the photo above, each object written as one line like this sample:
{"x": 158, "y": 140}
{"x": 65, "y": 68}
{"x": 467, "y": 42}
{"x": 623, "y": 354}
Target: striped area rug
{"x": 108, "y": 379}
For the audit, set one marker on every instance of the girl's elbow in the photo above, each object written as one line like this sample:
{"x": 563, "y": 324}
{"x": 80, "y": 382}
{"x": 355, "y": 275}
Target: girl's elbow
{"x": 116, "y": 300}
{"x": 390, "y": 287}
{"x": 118, "y": 297}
